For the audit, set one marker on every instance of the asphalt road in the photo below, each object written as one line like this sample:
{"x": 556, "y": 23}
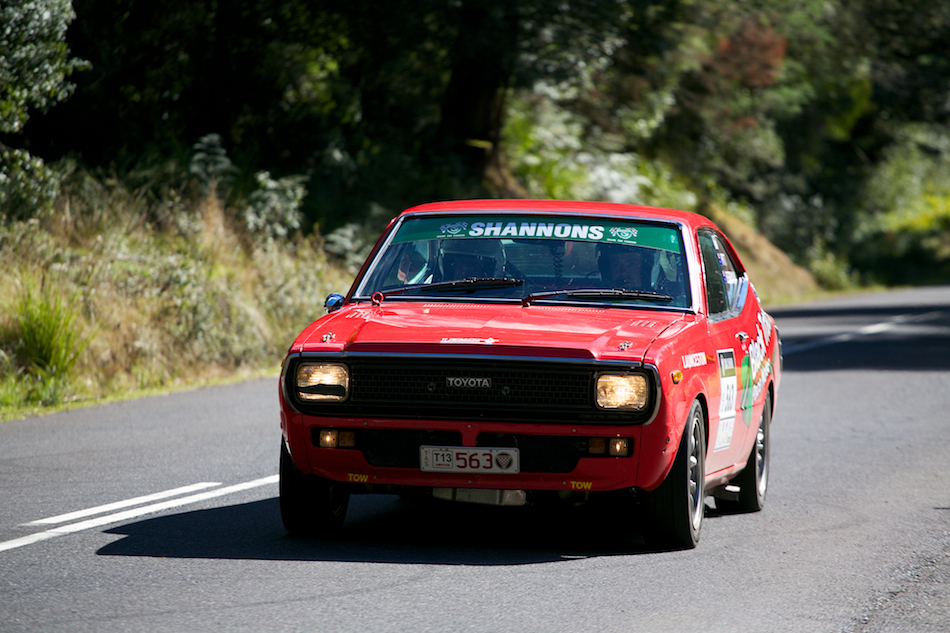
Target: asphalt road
{"x": 855, "y": 536}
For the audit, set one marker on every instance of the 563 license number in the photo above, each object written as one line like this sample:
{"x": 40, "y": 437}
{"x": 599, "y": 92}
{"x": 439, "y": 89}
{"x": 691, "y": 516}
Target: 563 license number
{"x": 469, "y": 460}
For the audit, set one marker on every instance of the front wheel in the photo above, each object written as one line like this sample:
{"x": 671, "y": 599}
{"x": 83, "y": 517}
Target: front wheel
{"x": 310, "y": 506}
{"x": 753, "y": 481}
{"x": 675, "y": 510}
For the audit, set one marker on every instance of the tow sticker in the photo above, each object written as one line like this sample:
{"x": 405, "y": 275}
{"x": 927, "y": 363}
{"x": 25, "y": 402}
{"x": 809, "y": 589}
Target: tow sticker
{"x": 728, "y": 389}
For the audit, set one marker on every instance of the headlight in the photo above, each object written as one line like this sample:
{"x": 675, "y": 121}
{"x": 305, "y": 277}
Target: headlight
{"x": 322, "y": 382}
{"x": 622, "y": 391}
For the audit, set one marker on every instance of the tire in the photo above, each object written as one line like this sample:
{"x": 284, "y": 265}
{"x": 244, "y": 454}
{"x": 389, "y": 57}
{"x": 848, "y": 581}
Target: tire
{"x": 676, "y": 508}
{"x": 753, "y": 481}
{"x": 310, "y": 506}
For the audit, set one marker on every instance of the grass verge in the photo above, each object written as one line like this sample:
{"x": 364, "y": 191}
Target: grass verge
{"x": 118, "y": 296}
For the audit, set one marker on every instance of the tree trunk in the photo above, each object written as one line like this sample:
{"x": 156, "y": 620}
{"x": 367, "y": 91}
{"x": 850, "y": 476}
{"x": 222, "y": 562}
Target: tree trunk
{"x": 483, "y": 59}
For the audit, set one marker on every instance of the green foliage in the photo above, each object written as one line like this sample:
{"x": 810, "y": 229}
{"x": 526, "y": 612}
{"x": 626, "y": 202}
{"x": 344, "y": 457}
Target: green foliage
{"x": 172, "y": 302}
{"x": 542, "y": 143}
{"x": 857, "y": 104}
{"x": 794, "y": 109}
{"x": 11, "y": 389}
{"x": 34, "y": 64}
{"x": 47, "y": 323}
{"x": 830, "y": 270}
{"x": 554, "y": 155}
{"x": 28, "y": 187}
{"x": 904, "y": 234}
{"x": 34, "y": 58}
{"x": 352, "y": 242}
{"x": 294, "y": 279}
{"x": 273, "y": 209}
{"x": 210, "y": 164}
{"x": 48, "y": 339}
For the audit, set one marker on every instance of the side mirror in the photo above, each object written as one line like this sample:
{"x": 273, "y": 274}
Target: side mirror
{"x": 334, "y": 302}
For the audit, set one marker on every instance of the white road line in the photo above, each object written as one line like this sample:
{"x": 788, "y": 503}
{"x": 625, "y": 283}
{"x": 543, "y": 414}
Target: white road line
{"x": 867, "y": 330}
{"x": 131, "y": 514}
{"x": 118, "y": 505}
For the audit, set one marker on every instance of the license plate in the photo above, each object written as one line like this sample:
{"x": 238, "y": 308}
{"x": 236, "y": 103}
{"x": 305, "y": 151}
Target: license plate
{"x": 469, "y": 460}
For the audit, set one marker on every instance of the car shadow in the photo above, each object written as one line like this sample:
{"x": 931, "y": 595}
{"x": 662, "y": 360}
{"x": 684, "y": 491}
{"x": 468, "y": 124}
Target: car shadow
{"x": 386, "y": 529}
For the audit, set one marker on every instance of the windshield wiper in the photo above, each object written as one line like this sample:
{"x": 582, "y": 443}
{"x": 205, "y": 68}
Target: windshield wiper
{"x": 598, "y": 293}
{"x": 468, "y": 284}
{"x": 476, "y": 283}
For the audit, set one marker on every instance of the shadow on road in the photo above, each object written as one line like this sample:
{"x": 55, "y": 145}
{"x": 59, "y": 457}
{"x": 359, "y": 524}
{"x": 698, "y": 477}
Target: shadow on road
{"x": 919, "y": 340}
{"x": 381, "y": 528}
{"x": 385, "y": 529}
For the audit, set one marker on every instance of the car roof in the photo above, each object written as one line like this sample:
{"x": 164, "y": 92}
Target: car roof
{"x": 631, "y": 211}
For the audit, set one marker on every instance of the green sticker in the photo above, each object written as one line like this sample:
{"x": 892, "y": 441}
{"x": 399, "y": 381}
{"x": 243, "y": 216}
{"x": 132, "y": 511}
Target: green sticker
{"x": 535, "y": 227}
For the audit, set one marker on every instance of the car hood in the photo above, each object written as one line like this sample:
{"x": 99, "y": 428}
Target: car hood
{"x": 505, "y": 330}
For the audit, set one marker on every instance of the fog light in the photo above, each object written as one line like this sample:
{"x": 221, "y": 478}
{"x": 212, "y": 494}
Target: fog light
{"x": 596, "y": 446}
{"x": 328, "y": 438}
{"x": 347, "y": 439}
{"x": 618, "y": 447}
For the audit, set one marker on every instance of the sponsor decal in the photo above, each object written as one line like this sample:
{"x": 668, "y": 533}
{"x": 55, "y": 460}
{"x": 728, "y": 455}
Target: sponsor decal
{"x": 539, "y": 227}
{"x": 469, "y": 341}
{"x": 756, "y": 367}
{"x": 623, "y": 233}
{"x": 694, "y": 360}
{"x": 728, "y": 387}
{"x": 561, "y": 230}
{"x": 455, "y": 228}
{"x": 465, "y": 382}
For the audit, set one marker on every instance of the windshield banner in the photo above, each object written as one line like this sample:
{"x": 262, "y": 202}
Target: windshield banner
{"x": 534, "y": 227}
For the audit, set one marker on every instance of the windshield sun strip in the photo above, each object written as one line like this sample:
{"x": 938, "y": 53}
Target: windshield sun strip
{"x": 680, "y": 228}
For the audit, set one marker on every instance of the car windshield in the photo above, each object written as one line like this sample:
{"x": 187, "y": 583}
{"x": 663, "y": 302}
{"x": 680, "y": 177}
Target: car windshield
{"x": 531, "y": 259}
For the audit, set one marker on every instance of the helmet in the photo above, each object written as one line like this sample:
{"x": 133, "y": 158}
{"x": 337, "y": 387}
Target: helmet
{"x": 624, "y": 266}
{"x": 461, "y": 258}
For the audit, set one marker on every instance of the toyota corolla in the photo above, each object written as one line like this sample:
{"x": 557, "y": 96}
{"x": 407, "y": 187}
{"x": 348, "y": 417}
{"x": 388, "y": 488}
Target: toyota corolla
{"x": 509, "y": 351}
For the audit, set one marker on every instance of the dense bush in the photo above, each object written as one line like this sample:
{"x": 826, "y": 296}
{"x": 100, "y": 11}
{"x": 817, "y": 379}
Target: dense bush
{"x": 107, "y": 299}
{"x": 34, "y": 65}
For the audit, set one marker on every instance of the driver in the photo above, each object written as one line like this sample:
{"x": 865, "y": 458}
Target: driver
{"x": 621, "y": 266}
{"x": 464, "y": 258}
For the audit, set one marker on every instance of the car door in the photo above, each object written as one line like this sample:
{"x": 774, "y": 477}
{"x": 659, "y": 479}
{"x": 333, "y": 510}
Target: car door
{"x": 729, "y": 325}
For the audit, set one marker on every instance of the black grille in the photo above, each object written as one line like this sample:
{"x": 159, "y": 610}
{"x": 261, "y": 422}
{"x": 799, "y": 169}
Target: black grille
{"x": 459, "y": 388}
{"x": 496, "y": 385}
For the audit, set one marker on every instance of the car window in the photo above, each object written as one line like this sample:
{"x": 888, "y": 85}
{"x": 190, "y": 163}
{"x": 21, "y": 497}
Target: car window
{"x": 725, "y": 281}
{"x": 546, "y": 253}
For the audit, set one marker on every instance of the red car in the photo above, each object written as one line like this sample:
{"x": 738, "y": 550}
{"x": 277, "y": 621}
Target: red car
{"x": 511, "y": 351}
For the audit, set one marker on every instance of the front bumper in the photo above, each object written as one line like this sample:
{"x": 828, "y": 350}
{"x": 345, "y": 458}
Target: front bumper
{"x": 387, "y": 453}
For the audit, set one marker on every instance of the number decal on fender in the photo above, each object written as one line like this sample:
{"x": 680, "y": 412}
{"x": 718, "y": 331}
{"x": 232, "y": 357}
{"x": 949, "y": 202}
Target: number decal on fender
{"x": 728, "y": 392}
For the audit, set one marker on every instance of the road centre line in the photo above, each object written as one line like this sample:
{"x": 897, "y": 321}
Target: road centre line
{"x": 118, "y": 505}
{"x": 134, "y": 513}
{"x": 876, "y": 328}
